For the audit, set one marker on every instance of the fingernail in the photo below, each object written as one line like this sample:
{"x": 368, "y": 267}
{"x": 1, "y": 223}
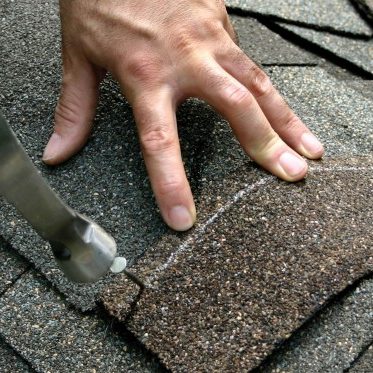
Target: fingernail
{"x": 291, "y": 164}
{"x": 181, "y": 219}
{"x": 312, "y": 145}
{"x": 51, "y": 148}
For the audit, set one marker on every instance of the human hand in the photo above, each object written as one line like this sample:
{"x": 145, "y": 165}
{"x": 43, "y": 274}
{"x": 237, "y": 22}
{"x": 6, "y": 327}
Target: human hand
{"x": 162, "y": 52}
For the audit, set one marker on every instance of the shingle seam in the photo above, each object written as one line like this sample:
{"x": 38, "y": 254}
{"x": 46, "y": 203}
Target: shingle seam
{"x": 359, "y": 356}
{"x": 306, "y": 323}
{"x": 316, "y": 49}
{"x": 32, "y": 267}
{"x": 364, "y": 11}
{"x": 17, "y": 354}
{"x": 15, "y": 280}
{"x": 273, "y": 18}
{"x": 186, "y": 245}
{"x": 121, "y": 329}
{"x": 289, "y": 64}
{"x": 7, "y": 247}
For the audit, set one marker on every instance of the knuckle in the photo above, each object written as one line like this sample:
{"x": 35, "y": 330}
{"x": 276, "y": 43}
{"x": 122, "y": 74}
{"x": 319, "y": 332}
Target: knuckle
{"x": 156, "y": 138}
{"x": 234, "y": 36}
{"x": 238, "y": 57}
{"x": 67, "y": 112}
{"x": 215, "y": 82}
{"x": 267, "y": 145}
{"x": 237, "y": 97}
{"x": 143, "y": 68}
{"x": 171, "y": 185}
{"x": 260, "y": 82}
{"x": 183, "y": 42}
{"x": 292, "y": 122}
{"x": 213, "y": 28}
{"x": 187, "y": 39}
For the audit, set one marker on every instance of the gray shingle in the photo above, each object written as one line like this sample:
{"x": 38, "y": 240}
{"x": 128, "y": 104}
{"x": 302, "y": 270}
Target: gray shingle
{"x": 266, "y": 47}
{"x": 53, "y": 337}
{"x": 339, "y": 115}
{"x": 365, "y": 363}
{"x": 107, "y": 181}
{"x": 364, "y": 87}
{"x": 359, "y": 52}
{"x": 333, "y": 339}
{"x": 11, "y": 266}
{"x": 10, "y": 362}
{"x": 365, "y": 7}
{"x": 334, "y": 14}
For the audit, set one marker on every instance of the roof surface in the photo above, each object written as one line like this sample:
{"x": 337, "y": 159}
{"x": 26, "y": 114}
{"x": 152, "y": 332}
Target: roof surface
{"x": 251, "y": 274}
{"x": 359, "y": 52}
{"x": 277, "y": 253}
{"x": 334, "y": 15}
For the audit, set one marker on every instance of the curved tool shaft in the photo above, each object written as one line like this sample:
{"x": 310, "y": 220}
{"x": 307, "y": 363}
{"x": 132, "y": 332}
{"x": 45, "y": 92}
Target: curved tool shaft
{"x": 83, "y": 250}
{"x": 22, "y": 185}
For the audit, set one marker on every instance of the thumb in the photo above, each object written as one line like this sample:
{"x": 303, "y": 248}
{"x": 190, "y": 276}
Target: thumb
{"x": 74, "y": 112}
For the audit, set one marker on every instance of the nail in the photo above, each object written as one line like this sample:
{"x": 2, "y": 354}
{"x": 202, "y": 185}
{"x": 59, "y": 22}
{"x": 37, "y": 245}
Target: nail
{"x": 292, "y": 165}
{"x": 311, "y": 145}
{"x": 50, "y": 150}
{"x": 180, "y": 218}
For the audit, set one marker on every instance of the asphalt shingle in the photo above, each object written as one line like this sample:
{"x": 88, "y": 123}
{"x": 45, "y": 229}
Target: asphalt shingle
{"x": 364, "y": 87}
{"x": 266, "y": 47}
{"x": 365, "y": 363}
{"x": 247, "y": 278}
{"x": 339, "y": 15}
{"x": 331, "y": 341}
{"x": 107, "y": 181}
{"x": 53, "y": 337}
{"x": 11, "y": 266}
{"x": 359, "y": 52}
{"x": 10, "y": 362}
{"x": 366, "y": 9}
{"x": 342, "y": 118}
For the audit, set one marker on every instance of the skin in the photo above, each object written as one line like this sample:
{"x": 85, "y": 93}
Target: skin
{"x": 162, "y": 52}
